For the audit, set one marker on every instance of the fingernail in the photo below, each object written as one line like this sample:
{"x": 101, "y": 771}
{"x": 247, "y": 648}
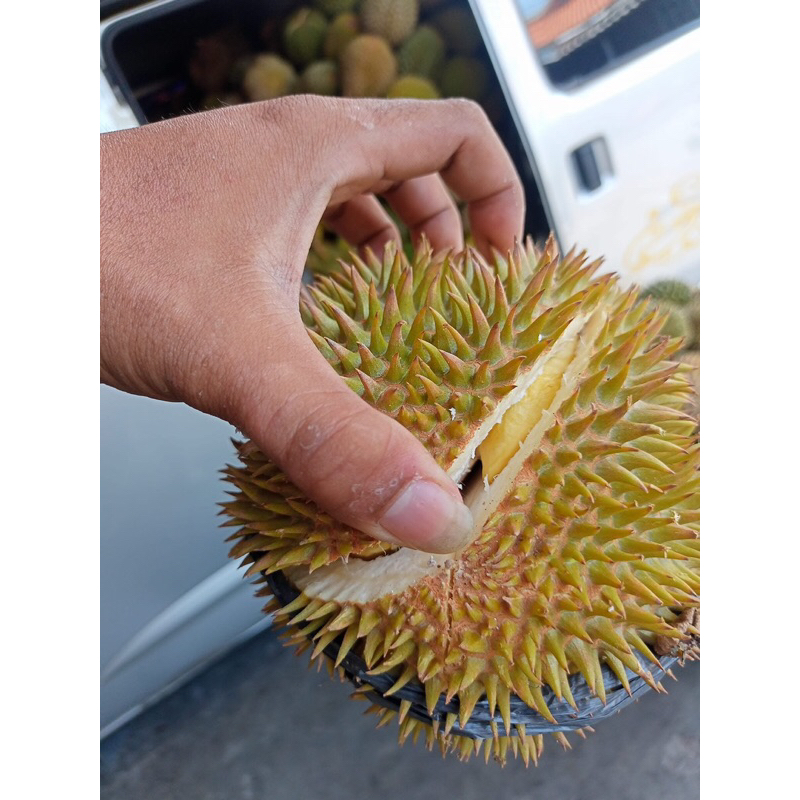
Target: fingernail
{"x": 426, "y": 517}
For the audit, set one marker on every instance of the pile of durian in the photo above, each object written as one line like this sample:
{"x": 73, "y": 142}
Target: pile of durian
{"x": 353, "y": 48}
{"x": 550, "y": 394}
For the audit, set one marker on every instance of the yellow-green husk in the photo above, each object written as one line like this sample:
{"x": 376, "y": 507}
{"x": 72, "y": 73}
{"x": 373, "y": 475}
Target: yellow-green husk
{"x": 592, "y": 553}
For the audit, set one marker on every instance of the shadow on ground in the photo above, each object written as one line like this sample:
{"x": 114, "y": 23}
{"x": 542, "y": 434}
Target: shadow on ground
{"x": 261, "y": 725}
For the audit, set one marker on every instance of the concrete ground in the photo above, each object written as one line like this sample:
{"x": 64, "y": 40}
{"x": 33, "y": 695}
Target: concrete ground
{"x": 259, "y": 724}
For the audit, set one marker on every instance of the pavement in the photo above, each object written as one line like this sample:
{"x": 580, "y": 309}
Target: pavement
{"x": 260, "y": 724}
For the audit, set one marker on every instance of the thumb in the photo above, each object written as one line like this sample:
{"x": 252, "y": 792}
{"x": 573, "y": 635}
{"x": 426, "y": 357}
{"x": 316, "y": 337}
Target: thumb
{"x": 355, "y": 462}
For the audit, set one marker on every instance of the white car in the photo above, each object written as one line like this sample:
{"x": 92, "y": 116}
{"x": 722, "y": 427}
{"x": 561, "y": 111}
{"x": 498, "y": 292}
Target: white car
{"x": 602, "y": 99}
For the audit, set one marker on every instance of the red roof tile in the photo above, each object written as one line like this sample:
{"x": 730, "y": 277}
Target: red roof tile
{"x": 563, "y": 16}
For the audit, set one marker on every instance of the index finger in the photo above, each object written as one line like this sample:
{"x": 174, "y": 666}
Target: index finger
{"x": 391, "y": 141}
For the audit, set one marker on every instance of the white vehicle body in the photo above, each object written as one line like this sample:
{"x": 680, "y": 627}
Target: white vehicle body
{"x": 171, "y": 600}
{"x": 645, "y": 216}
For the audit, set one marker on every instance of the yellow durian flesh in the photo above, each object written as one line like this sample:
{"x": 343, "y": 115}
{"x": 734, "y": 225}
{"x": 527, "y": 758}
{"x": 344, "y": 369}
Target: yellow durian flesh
{"x": 506, "y": 437}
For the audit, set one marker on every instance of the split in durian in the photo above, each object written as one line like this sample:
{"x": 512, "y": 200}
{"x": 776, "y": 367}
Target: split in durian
{"x": 549, "y": 392}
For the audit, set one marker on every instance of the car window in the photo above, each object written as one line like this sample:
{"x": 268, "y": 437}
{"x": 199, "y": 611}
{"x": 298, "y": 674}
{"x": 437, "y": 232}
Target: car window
{"x": 576, "y": 40}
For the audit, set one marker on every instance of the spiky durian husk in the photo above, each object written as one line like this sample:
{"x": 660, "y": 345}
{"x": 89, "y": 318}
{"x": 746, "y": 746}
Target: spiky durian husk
{"x": 325, "y": 252}
{"x": 422, "y": 53}
{"x": 524, "y": 745}
{"x": 692, "y": 310}
{"x": 342, "y": 30}
{"x": 677, "y": 324}
{"x": 413, "y": 86}
{"x": 592, "y": 552}
{"x": 368, "y": 66}
{"x": 269, "y": 76}
{"x": 676, "y": 292}
{"x": 321, "y": 77}
{"x": 684, "y": 302}
{"x": 303, "y": 36}
{"x": 692, "y": 359}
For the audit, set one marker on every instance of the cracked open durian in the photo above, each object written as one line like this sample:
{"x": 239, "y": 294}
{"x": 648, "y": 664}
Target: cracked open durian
{"x": 549, "y": 395}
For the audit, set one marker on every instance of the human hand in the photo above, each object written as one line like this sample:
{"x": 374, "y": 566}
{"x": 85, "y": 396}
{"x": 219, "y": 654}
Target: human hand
{"x": 206, "y": 223}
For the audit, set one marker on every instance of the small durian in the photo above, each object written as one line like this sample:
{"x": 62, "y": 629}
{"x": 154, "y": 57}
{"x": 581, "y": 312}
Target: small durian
{"x": 422, "y": 53}
{"x": 394, "y": 20}
{"x": 691, "y": 358}
{"x": 692, "y": 311}
{"x": 303, "y": 36}
{"x": 548, "y": 391}
{"x": 677, "y": 323}
{"x": 321, "y": 77}
{"x": 368, "y": 67}
{"x": 334, "y": 7}
{"x": 340, "y": 33}
{"x": 458, "y": 29}
{"x": 676, "y": 292}
{"x": 464, "y": 77}
{"x": 413, "y": 86}
{"x": 269, "y": 76}
{"x": 680, "y": 299}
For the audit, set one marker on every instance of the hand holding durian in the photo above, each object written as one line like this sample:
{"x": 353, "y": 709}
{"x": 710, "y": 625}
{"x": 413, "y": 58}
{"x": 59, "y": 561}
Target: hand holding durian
{"x": 206, "y": 224}
{"x": 554, "y": 399}
{"x": 553, "y": 396}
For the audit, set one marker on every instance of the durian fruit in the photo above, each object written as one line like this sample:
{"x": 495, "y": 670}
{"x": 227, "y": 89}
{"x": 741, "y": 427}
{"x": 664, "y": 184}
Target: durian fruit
{"x": 422, "y": 53}
{"x": 549, "y": 394}
{"x": 334, "y": 7}
{"x": 677, "y": 323}
{"x": 340, "y": 33}
{"x": 303, "y": 36}
{"x": 368, "y": 67}
{"x": 459, "y": 30}
{"x": 691, "y": 358}
{"x": 321, "y": 77}
{"x": 269, "y": 76}
{"x": 676, "y": 292}
{"x": 394, "y": 20}
{"x": 681, "y": 300}
{"x": 464, "y": 77}
{"x": 413, "y": 86}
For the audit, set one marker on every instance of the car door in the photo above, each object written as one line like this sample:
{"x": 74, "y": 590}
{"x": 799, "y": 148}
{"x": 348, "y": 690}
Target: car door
{"x": 613, "y": 133}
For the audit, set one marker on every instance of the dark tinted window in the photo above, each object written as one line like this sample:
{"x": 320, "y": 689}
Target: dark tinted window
{"x": 578, "y": 39}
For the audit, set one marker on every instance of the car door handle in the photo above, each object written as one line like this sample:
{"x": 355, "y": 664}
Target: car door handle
{"x": 592, "y": 164}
